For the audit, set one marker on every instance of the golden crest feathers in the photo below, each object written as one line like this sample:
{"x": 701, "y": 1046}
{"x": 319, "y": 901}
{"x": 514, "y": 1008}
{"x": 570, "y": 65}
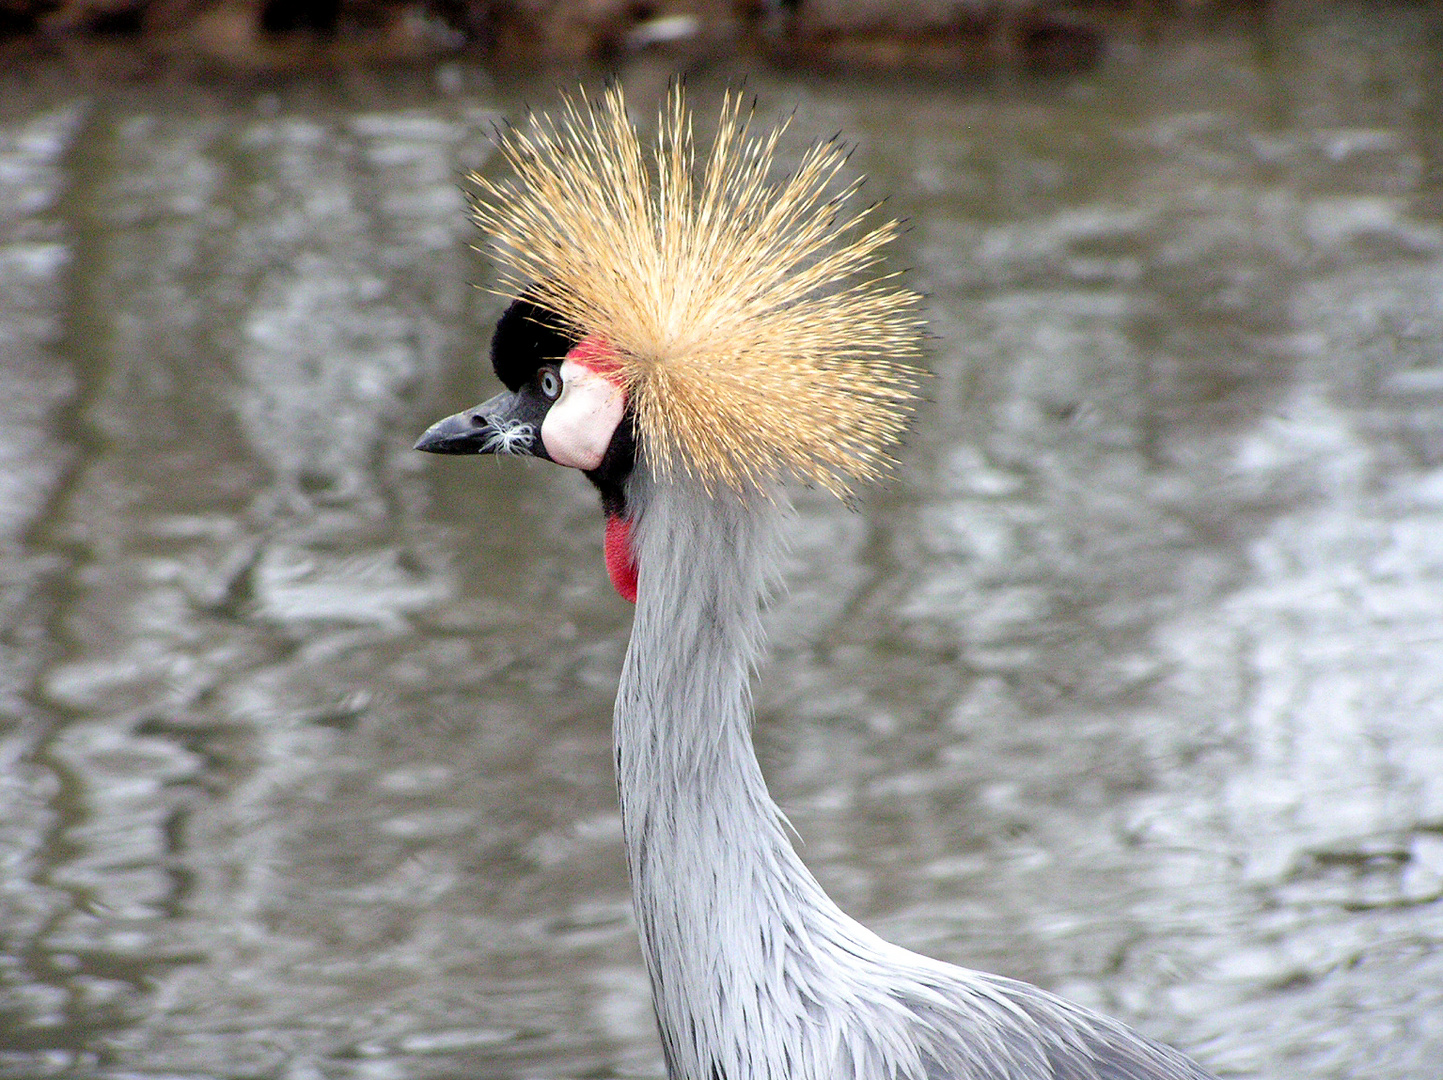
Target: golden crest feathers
{"x": 751, "y": 343}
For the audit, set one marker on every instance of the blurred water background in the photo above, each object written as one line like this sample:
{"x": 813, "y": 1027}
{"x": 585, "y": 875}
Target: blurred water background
{"x": 1130, "y": 683}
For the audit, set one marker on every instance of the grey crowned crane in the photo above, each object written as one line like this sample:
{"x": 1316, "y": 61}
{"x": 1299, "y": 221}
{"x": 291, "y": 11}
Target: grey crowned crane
{"x": 690, "y": 331}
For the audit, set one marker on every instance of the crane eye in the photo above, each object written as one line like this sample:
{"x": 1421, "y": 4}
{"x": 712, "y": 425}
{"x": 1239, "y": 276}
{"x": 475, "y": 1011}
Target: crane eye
{"x": 550, "y": 382}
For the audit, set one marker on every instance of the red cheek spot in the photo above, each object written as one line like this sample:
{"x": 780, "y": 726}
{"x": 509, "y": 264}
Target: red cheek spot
{"x": 620, "y": 562}
{"x": 596, "y": 353}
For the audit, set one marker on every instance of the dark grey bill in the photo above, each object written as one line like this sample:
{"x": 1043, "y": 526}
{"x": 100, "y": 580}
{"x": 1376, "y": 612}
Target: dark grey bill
{"x": 509, "y": 423}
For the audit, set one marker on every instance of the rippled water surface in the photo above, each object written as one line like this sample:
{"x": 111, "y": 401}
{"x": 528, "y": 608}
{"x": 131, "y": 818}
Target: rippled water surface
{"x": 1130, "y": 683}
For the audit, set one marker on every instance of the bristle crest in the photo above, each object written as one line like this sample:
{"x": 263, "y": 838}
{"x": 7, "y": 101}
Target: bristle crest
{"x": 753, "y": 344}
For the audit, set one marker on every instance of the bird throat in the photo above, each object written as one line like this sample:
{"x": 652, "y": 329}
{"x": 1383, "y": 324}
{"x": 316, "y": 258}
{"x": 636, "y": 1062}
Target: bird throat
{"x": 620, "y": 559}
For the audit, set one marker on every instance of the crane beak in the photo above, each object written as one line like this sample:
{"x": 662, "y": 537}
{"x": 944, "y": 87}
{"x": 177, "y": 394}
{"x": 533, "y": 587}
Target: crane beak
{"x": 509, "y": 423}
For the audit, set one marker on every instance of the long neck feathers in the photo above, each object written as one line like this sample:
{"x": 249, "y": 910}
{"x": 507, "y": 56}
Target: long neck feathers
{"x": 724, "y": 907}
{"x": 756, "y": 974}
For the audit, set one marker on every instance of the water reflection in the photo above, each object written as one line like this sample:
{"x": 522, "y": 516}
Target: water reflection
{"x": 1127, "y": 684}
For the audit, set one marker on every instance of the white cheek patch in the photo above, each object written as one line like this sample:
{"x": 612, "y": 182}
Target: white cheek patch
{"x": 578, "y": 428}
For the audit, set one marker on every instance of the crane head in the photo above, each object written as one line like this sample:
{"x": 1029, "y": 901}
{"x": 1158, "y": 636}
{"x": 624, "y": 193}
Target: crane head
{"x": 727, "y": 320}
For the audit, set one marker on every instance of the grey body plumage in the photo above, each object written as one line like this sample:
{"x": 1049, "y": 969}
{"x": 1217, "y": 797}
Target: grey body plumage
{"x": 756, "y": 974}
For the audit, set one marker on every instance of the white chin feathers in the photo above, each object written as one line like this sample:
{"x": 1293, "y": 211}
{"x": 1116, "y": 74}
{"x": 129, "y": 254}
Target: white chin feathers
{"x": 578, "y": 428}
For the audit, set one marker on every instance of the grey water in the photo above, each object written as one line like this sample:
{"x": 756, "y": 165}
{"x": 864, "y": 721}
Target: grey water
{"x": 1129, "y": 682}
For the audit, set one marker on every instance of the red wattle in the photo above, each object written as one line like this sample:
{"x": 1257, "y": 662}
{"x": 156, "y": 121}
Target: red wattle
{"x": 620, "y": 562}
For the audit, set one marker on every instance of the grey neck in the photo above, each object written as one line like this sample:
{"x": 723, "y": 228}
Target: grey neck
{"x": 755, "y": 973}
{"x": 726, "y": 911}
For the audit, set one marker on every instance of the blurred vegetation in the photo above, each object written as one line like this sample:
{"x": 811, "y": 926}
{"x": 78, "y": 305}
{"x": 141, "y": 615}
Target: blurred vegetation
{"x": 885, "y": 35}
